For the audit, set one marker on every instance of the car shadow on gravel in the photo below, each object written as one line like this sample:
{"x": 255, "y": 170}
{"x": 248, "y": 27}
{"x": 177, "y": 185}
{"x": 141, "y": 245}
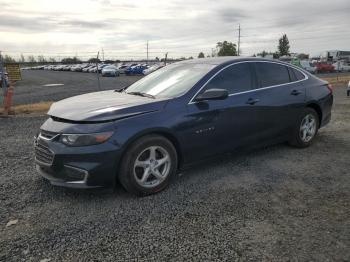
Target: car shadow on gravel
{"x": 196, "y": 171}
{"x": 202, "y": 173}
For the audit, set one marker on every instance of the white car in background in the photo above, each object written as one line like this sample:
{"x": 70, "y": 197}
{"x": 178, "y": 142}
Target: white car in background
{"x": 151, "y": 69}
{"x": 110, "y": 70}
{"x": 306, "y": 65}
{"x": 341, "y": 66}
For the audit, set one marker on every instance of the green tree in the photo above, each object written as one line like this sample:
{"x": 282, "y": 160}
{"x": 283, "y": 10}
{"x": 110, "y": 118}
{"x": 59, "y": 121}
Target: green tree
{"x": 263, "y": 53}
{"x": 283, "y": 45}
{"x": 22, "y": 59}
{"x": 71, "y": 60}
{"x": 9, "y": 59}
{"x": 201, "y": 55}
{"x": 31, "y": 59}
{"x": 276, "y": 55}
{"x": 226, "y": 49}
{"x": 94, "y": 60}
{"x": 41, "y": 59}
{"x": 303, "y": 56}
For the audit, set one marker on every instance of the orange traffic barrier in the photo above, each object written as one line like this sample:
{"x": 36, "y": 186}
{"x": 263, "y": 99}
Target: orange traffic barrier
{"x": 8, "y": 100}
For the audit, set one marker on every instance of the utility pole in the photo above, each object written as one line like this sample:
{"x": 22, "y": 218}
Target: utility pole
{"x": 239, "y": 38}
{"x": 98, "y": 75}
{"x": 147, "y": 52}
{"x": 166, "y": 57}
{"x": 103, "y": 55}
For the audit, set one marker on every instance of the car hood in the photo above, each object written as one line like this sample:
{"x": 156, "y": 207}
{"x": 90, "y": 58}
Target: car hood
{"x": 103, "y": 106}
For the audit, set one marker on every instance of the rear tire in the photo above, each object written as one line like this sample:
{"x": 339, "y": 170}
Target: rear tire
{"x": 305, "y": 129}
{"x": 148, "y": 165}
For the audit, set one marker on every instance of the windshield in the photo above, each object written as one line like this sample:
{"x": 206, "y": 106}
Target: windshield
{"x": 172, "y": 80}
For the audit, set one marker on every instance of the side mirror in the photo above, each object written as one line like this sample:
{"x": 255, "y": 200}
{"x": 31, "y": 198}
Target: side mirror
{"x": 212, "y": 94}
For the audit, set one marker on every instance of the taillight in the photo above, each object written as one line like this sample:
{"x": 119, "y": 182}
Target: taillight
{"x": 330, "y": 88}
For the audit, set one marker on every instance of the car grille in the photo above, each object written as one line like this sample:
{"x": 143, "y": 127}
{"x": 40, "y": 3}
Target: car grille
{"x": 43, "y": 154}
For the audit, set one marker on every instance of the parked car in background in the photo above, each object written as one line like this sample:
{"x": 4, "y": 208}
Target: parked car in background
{"x": 110, "y": 70}
{"x": 151, "y": 69}
{"x": 86, "y": 69}
{"x": 122, "y": 69}
{"x": 341, "y": 66}
{"x": 180, "y": 114}
{"x": 92, "y": 69}
{"x": 135, "y": 70}
{"x": 306, "y": 65}
{"x": 324, "y": 68}
{"x": 76, "y": 68}
{"x": 101, "y": 66}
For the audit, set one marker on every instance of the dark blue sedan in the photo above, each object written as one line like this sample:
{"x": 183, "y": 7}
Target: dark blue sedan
{"x": 185, "y": 112}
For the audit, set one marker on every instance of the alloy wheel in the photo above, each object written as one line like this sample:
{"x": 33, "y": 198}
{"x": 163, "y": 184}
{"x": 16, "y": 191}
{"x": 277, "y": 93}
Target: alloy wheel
{"x": 308, "y": 128}
{"x": 152, "y": 166}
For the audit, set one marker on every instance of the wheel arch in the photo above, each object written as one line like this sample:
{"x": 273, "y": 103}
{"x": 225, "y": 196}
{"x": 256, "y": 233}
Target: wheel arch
{"x": 155, "y": 131}
{"x": 318, "y": 110}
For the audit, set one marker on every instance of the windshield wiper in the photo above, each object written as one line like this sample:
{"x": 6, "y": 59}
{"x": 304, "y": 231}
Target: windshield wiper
{"x": 141, "y": 94}
{"x": 122, "y": 89}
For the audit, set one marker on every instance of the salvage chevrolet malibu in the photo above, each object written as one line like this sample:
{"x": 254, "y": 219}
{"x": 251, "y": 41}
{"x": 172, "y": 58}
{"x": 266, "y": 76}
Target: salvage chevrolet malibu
{"x": 185, "y": 112}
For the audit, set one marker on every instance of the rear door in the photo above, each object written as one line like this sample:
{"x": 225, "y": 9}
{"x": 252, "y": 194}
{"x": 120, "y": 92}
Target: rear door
{"x": 279, "y": 97}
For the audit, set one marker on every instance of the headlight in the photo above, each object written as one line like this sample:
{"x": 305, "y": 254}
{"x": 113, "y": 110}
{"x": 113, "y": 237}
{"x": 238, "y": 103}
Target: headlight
{"x": 85, "y": 139}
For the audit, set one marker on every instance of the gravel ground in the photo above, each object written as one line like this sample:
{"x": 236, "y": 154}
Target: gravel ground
{"x": 275, "y": 204}
{"x": 32, "y": 90}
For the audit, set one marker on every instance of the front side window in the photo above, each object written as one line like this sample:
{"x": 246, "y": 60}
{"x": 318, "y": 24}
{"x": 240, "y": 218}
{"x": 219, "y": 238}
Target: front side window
{"x": 236, "y": 78}
{"x": 271, "y": 74}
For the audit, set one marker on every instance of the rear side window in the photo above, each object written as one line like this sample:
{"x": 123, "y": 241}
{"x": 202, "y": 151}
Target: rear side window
{"x": 236, "y": 78}
{"x": 295, "y": 75}
{"x": 298, "y": 74}
{"x": 270, "y": 74}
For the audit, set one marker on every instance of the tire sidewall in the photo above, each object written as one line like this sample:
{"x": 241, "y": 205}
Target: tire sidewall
{"x": 297, "y": 138}
{"x": 126, "y": 174}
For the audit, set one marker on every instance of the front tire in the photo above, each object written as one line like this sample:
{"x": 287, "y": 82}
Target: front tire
{"x": 305, "y": 129}
{"x": 148, "y": 165}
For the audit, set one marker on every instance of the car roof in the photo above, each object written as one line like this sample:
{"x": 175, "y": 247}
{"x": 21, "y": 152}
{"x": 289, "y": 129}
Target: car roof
{"x": 226, "y": 60}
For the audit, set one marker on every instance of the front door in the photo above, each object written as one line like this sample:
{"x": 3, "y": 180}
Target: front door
{"x": 216, "y": 126}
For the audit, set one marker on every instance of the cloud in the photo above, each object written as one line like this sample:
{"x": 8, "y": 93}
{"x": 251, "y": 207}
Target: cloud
{"x": 231, "y": 15}
{"x": 43, "y": 24}
{"x": 79, "y": 24}
{"x": 178, "y": 25}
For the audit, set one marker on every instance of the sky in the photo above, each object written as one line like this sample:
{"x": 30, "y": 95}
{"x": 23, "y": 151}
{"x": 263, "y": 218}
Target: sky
{"x": 180, "y": 27}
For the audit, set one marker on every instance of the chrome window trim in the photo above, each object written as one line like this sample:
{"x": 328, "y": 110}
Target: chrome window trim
{"x": 253, "y": 90}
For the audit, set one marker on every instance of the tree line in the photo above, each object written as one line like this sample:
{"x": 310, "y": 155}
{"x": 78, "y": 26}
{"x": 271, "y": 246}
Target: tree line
{"x": 226, "y": 48}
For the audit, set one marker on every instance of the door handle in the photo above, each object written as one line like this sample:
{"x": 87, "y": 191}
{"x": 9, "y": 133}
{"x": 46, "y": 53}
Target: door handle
{"x": 252, "y": 101}
{"x": 296, "y": 92}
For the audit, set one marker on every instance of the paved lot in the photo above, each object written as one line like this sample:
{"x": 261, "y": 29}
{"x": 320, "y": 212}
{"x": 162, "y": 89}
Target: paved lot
{"x": 274, "y": 204}
{"x": 32, "y": 88}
